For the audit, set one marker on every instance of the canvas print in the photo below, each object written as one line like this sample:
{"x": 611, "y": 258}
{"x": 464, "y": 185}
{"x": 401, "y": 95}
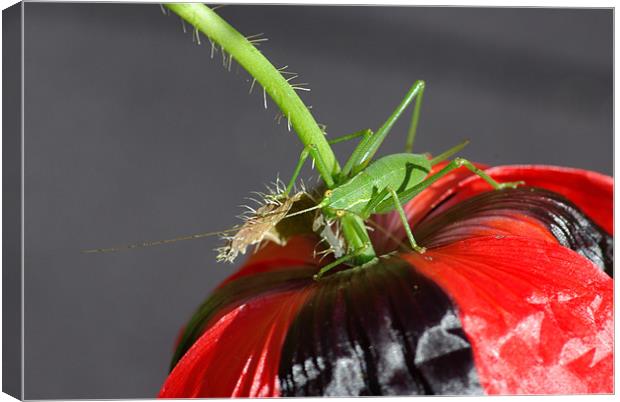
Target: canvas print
{"x": 226, "y": 200}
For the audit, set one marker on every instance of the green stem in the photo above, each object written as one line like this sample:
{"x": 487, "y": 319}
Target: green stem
{"x": 279, "y": 90}
{"x": 282, "y": 93}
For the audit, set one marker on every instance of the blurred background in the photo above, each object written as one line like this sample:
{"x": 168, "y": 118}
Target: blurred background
{"x": 133, "y": 133}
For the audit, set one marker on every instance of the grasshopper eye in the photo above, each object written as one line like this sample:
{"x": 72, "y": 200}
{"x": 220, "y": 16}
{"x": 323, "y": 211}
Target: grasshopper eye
{"x": 340, "y": 213}
{"x": 328, "y": 193}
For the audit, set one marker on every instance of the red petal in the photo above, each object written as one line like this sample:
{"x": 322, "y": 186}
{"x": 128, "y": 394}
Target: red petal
{"x": 592, "y": 192}
{"x": 239, "y": 354}
{"x": 498, "y": 223}
{"x": 539, "y": 316}
{"x": 298, "y": 252}
{"x": 437, "y": 192}
{"x": 528, "y": 212}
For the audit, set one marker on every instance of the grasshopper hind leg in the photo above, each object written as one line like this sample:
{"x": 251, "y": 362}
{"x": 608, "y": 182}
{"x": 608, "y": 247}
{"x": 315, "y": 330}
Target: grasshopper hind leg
{"x": 458, "y": 162}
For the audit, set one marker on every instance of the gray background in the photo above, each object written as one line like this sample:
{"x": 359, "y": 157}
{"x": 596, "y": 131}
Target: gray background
{"x": 133, "y": 133}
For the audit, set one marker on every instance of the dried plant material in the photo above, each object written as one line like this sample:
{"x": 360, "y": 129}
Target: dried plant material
{"x": 259, "y": 225}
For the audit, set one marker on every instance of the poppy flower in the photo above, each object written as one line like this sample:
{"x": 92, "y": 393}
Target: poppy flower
{"x": 514, "y": 295}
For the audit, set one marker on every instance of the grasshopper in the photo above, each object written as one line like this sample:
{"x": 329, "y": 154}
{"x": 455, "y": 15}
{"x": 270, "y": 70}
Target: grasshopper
{"x": 365, "y": 187}
{"x": 362, "y": 188}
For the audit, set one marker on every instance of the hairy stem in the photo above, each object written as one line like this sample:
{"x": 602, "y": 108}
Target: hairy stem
{"x": 282, "y": 93}
{"x": 243, "y": 52}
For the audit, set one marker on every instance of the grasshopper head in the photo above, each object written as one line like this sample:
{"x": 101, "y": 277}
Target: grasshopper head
{"x": 330, "y": 213}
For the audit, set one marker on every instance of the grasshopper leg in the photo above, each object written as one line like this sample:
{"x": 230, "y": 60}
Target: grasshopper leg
{"x": 364, "y": 152}
{"x": 361, "y": 133}
{"x": 458, "y": 162}
{"x": 338, "y": 261}
{"x": 403, "y": 217}
{"x": 374, "y": 201}
{"x": 309, "y": 150}
{"x": 454, "y": 164}
{"x": 302, "y": 159}
{"x": 415, "y": 117}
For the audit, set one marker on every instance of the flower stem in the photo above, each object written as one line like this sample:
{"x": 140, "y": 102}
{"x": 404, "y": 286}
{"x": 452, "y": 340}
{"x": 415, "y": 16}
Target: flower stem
{"x": 283, "y": 94}
{"x": 275, "y": 85}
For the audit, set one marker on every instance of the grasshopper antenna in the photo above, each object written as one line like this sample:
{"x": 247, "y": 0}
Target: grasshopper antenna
{"x": 157, "y": 242}
{"x": 445, "y": 155}
{"x": 189, "y": 237}
{"x": 303, "y": 211}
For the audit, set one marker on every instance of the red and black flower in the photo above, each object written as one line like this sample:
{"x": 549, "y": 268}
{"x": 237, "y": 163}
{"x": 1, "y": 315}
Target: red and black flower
{"x": 513, "y": 296}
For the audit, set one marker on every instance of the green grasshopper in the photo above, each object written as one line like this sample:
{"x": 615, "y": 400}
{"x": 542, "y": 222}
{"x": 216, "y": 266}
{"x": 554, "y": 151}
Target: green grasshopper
{"x": 362, "y": 188}
{"x": 365, "y": 187}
